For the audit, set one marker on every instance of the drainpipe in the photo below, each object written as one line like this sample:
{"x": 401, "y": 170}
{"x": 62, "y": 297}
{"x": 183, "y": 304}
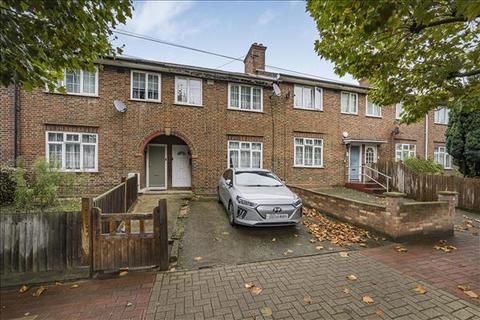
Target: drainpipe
{"x": 426, "y": 136}
{"x": 16, "y": 111}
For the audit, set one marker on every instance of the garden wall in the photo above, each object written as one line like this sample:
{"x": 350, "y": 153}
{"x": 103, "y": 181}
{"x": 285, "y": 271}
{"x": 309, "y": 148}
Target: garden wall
{"x": 400, "y": 218}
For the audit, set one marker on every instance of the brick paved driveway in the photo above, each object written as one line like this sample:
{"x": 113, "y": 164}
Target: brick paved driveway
{"x": 219, "y": 293}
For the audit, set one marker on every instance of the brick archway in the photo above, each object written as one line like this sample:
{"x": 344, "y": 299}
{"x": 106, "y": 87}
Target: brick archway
{"x": 175, "y": 133}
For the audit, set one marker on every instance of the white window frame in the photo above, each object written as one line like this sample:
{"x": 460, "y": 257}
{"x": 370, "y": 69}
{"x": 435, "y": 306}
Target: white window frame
{"x": 375, "y": 106}
{"x": 437, "y": 116}
{"x": 146, "y": 86}
{"x": 188, "y": 89}
{"x": 239, "y": 108}
{"x": 316, "y": 90}
{"x": 349, "y": 99}
{"x": 402, "y": 145}
{"x": 81, "y": 143}
{"x": 62, "y": 83}
{"x": 441, "y": 151}
{"x": 313, "y": 153}
{"x": 398, "y": 107}
{"x": 239, "y": 152}
{"x": 375, "y": 157}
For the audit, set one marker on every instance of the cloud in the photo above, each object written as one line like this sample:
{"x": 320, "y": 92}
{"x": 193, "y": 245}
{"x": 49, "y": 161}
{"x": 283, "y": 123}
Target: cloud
{"x": 265, "y": 17}
{"x": 160, "y": 18}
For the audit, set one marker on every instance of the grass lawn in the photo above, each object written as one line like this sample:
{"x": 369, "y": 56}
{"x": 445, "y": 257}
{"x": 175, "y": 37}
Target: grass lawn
{"x": 64, "y": 205}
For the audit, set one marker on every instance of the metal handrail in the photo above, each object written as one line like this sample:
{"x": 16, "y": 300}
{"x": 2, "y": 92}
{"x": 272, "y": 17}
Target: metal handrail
{"x": 363, "y": 174}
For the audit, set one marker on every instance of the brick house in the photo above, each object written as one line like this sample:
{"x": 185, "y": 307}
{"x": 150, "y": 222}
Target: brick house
{"x": 183, "y": 125}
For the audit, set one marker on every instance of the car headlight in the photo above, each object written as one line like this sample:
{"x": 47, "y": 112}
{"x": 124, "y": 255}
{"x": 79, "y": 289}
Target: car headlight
{"x": 297, "y": 203}
{"x": 245, "y": 202}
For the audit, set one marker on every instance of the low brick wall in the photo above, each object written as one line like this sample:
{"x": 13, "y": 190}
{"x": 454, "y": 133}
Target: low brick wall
{"x": 400, "y": 219}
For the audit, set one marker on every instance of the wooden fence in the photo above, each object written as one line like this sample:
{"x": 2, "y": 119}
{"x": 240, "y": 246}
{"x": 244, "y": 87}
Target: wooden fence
{"x": 423, "y": 187}
{"x": 38, "y": 242}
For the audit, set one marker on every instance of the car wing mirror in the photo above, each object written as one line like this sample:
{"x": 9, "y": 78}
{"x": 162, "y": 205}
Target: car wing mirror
{"x": 229, "y": 183}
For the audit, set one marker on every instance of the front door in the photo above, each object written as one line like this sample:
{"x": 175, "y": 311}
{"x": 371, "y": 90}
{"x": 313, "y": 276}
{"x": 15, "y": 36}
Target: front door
{"x": 354, "y": 164}
{"x": 157, "y": 167}
{"x": 181, "y": 172}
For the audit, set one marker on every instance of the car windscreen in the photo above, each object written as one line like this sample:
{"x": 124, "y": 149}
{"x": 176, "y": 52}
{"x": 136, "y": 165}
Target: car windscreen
{"x": 256, "y": 179}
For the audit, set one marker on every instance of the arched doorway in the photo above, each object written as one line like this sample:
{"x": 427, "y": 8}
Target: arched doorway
{"x": 168, "y": 163}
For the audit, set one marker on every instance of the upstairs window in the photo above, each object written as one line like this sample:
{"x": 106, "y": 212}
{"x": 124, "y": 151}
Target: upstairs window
{"x": 72, "y": 151}
{"x": 404, "y": 151}
{"x": 349, "y": 103}
{"x": 145, "y": 86}
{"x": 442, "y": 157}
{"x": 308, "y": 98}
{"x": 244, "y": 97}
{"x": 308, "y": 152}
{"x": 373, "y": 110}
{"x": 244, "y": 154}
{"x": 398, "y": 111}
{"x": 188, "y": 91}
{"x": 441, "y": 116}
{"x": 80, "y": 82}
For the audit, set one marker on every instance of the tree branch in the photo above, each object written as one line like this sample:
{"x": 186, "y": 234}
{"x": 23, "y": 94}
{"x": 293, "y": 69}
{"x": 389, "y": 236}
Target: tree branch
{"x": 416, "y": 28}
{"x": 463, "y": 74}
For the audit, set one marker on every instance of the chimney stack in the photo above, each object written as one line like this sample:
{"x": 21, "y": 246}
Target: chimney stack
{"x": 255, "y": 59}
{"x": 364, "y": 83}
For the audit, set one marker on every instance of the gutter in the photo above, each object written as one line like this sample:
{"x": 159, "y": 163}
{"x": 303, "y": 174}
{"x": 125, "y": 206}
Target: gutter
{"x": 16, "y": 111}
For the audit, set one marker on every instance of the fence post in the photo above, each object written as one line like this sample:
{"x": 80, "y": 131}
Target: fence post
{"x": 124, "y": 181}
{"x": 161, "y": 233}
{"x": 86, "y": 227}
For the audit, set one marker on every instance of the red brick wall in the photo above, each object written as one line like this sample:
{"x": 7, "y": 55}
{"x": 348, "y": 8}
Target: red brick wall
{"x": 7, "y": 125}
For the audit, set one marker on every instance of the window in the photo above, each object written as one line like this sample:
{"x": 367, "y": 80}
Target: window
{"x": 398, "y": 111}
{"x": 245, "y": 97}
{"x": 373, "y": 110}
{"x": 370, "y": 154}
{"x": 188, "y": 91}
{"x": 308, "y": 152}
{"x": 80, "y": 82}
{"x": 308, "y": 98}
{"x": 404, "y": 151}
{"x": 349, "y": 102}
{"x": 242, "y": 154}
{"x": 442, "y": 157}
{"x": 72, "y": 151}
{"x": 145, "y": 86}
{"x": 441, "y": 116}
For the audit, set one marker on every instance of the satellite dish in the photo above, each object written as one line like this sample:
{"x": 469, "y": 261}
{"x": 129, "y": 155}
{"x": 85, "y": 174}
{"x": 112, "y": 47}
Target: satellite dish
{"x": 345, "y": 134}
{"x": 120, "y": 106}
{"x": 276, "y": 90}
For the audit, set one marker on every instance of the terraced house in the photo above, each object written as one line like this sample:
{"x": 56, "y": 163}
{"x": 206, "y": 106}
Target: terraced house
{"x": 179, "y": 126}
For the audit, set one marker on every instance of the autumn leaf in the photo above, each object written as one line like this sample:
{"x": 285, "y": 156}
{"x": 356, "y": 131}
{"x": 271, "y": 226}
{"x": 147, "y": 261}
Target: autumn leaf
{"x": 343, "y": 254}
{"x": 346, "y": 290}
{"x": 129, "y": 304}
{"x": 319, "y": 247}
{"x": 225, "y": 233}
{"x": 400, "y": 249}
{"x": 24, "y": 288}
{"x": 471, "y": 294}
{"x": 352, "y": 277}
{"x": 266, "y": 311}
{"x": 307, "y": 299}
{"x": 274, "y": 239}
{"x": 123, "y": 273}
{"x": 73, "y": 286}
{"x": 288, "y": 252}
{"x": 197, "y": 259}
{"x": 313, "y": 240}
{"x": 463, "y": 287}
{"x": 39, "y": 291}
{"x": 249, "y": 285}
{"x": 256, "y": 290}
{"x": 367, "y": 300}
{"x": 420, "y": 290}
{"x": 380, "y": 313}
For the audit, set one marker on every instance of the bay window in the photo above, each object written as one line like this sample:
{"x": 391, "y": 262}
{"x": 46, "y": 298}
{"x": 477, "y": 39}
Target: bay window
{"x": 243, "y": 97}
{"x": 70, "y": 151}
{"x": 308, "y": 152}
{"x": 244, "y": 154}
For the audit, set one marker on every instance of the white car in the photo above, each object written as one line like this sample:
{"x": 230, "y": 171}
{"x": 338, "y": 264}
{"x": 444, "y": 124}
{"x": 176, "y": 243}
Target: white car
{"x": 257, "y": 197}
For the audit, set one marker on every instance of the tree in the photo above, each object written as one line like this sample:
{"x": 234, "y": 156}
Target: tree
{"x": 39, "y": 39}
{"x": 463, "y": 141}
{"x": 424, "y": 53}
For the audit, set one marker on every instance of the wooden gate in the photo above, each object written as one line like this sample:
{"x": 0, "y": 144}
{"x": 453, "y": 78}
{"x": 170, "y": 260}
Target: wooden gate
{"x": 126, "y": 243}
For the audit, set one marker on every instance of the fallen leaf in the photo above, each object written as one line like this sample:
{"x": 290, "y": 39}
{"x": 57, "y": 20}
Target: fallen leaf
{"x": 363, "y": 244}
{"x": 73, "y": 286}
{"x": 319, "y": 247}
{"x": 198, "y": 259}
{"x": 256, "y": 290}
{"x": 463, "y": 287}
{"x": 57, "y": 283}
{"x": 307, "y": 299}
{"x": 266, "y": 311}
{"x": 400, "y": 249}
{"x": 367, "y": 300}
{"x": 420, "y": 290}
{"x": 274, "y": 239}
{"x": 295, "y": 235}
{"x": 346, "y": 290}
{"x": 123, "y": 273}
{"x": 226, "y": 233}
{"x": 313, "y": 240}
{"x": 216, "y": 239}
{"x": 352, "y": 277}
{"x": 39, "y": 291}
{"x": 129, "y": 304}
{"x": 471, "y": 294}
{"x": 172, "y": 269}
{"x": 23, "y": 288}
{"x": 343, "y": 254}
{"x": 26, "y": 314}
{"x": 380, "y": 313}
{"x": 249, "y": 285}
{"x": 288, "y": 252}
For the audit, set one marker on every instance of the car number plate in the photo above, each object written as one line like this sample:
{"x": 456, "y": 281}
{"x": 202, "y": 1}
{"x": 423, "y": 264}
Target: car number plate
{"x": 277, "y": 216}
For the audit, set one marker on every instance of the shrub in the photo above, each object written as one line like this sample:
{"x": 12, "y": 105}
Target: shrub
{"x": 7, "y": 185}
{"x": 423, "y": 166}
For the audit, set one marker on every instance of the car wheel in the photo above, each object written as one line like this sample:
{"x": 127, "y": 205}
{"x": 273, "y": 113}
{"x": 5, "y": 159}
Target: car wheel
{"x": 218, "y": 196}
{"x": 231, "y": 214}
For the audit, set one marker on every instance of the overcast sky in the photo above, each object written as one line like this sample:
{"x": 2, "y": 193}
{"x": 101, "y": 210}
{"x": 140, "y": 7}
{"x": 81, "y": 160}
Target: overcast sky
{"x": 227, "y": 27}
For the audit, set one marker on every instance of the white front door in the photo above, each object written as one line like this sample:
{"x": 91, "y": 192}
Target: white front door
{"x": 181, "y": 171}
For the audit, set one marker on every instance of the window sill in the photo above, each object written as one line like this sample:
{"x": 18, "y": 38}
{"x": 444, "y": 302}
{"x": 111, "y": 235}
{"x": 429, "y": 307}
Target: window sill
{"x": 349, "y": 113}
{"x": 308, "y": 109}
{"x": 73, "y": 94}
{"x": 148, "y": 101}
{"x": 78, "y": 171}
{"x": 372, "y": 116}
{"x": 308, "y": 167}
{"x": 188, "y": 105}
{"x": 441, "y": 123}
{"x": 245, "y": 110}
